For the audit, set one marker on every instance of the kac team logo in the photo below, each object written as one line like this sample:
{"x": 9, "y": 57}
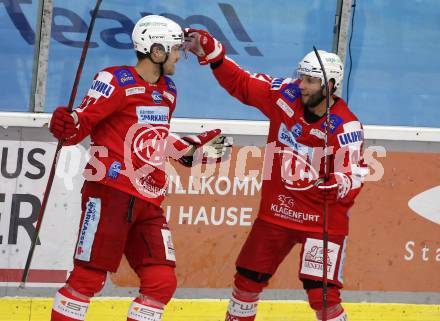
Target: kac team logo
{"x": 297, "y": 173}
{"x": 149, "y": 145}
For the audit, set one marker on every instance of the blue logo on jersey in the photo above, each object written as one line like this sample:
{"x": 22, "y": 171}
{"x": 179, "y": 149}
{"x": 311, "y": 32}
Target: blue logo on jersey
{"x": 114, "y": 170}
{"x": 170, "y": 85}
{"x": 157, "y": 97}
{"x": 102, "y": 87}
{"x": 291, "y": 92}
{"x": 124, "y": 77}
{"x": 296, "y": 130}
{"x": 288, "y": 138}
{"x": 276, "y": 83}
{"x": 152, "y": 115}
{"x": 350, "y": 137}
{"x": 335, "y": 121}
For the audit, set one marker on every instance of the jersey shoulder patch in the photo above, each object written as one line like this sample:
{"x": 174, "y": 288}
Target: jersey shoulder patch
{"x": 291, "y": 92}
{"x": 101, "y": 85}
{"x": 352, "y": 133}
{"x": 124, "y": 77}
{"x": 335, "y": 122}
{"x": 170, "y": 85}
{"x": 286, "y": 94}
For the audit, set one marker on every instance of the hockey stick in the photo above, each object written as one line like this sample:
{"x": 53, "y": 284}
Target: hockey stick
{"x": 326, "y": 177}
{"x": 59, "y": 146}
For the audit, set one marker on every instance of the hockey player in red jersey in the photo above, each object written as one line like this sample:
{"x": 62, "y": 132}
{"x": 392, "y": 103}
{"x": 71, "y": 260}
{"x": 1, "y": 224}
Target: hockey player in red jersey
{"x": 294, "y": 191}
{"x": 127, "y": 113}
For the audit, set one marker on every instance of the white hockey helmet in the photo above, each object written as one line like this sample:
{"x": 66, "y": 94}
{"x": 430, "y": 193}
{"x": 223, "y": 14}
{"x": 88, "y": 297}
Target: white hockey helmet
{"x": 310, "y": 66}
{"x": 154, "y": 29}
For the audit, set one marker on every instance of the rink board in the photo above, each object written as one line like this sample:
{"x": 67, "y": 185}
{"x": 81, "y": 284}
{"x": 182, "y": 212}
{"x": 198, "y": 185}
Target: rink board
{"x": 38, "y": 309}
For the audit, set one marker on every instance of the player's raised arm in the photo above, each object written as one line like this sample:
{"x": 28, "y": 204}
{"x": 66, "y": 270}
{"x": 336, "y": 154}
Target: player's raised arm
{"x": 250, "y": 89}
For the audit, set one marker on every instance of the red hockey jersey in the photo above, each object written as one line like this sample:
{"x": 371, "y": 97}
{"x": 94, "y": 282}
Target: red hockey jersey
{"x": 128, "y": 120}
{"x": 294, "y": 157}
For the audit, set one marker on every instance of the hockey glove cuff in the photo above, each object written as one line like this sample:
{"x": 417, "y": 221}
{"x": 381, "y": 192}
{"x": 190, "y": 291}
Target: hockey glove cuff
{"x": 208, "y": 147}
{"x": 336, "y": 187}
{"x": 62, "y": 124}
{"x": 204, "y": 46}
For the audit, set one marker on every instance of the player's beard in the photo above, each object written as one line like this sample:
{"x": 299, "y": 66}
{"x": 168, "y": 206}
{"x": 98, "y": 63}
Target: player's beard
{"x": 314, "y": 100}
{"x": 169, "y": 66}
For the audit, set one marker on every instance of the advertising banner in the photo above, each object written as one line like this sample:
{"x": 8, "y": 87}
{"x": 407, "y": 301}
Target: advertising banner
{"x": 393, "y": 245}
{"x": 263, "y": 38}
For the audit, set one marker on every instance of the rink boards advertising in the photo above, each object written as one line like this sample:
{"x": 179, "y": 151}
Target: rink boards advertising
{"x": 394, "y": 227}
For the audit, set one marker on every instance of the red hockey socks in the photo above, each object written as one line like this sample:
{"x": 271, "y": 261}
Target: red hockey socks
{"x": 244, "y": 300}
{"x": 68, "y": 307}
{"x": 242, "y": 306}
{"x": 145, "y": 310}
{"x": 334, "y": 313}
